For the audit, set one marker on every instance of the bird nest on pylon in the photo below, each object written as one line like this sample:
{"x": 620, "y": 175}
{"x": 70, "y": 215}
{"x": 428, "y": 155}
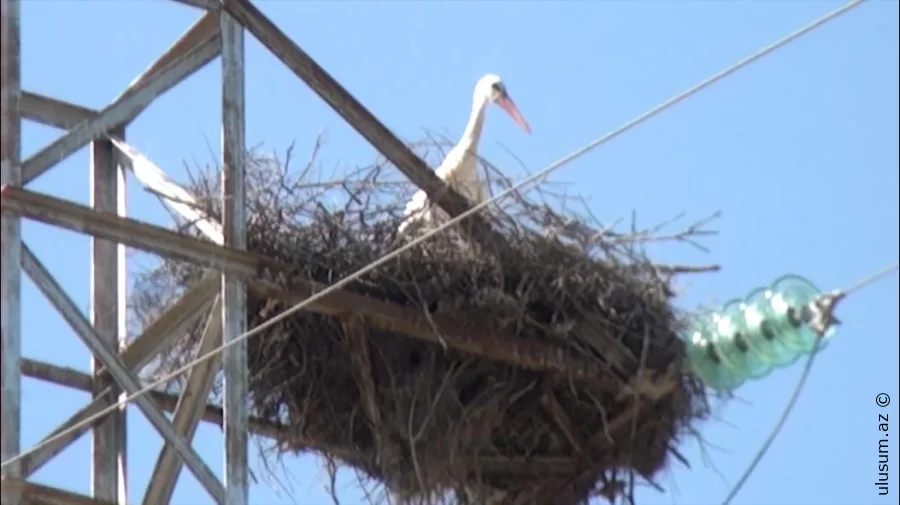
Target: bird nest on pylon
{"x": 547, "y": 371}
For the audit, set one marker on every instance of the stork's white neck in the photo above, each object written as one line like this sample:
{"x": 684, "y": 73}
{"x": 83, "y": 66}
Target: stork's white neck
{"x": 472, "y": 133}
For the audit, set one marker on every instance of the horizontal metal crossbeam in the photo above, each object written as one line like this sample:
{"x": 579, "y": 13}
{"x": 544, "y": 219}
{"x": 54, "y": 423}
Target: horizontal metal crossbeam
{"x": 409, "y": 321}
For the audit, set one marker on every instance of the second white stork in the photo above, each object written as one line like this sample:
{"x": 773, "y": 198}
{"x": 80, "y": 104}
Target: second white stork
{"x": 460, "y": 167}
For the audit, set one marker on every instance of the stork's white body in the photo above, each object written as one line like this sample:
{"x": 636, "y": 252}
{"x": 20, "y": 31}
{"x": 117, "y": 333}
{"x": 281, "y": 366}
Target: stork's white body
{"x": 460, "y": 167}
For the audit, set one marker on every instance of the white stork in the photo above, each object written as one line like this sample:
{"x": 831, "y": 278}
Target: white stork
{"x": 460, "y": 168}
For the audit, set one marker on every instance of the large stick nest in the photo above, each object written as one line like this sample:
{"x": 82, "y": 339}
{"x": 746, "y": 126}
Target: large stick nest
{"x": 429, "y": 421}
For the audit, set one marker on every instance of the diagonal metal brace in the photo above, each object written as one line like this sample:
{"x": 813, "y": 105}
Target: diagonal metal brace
{"x": 82, "y": 327}
{"x": 174, "y": 321}
{"x": 188, "y": 411}
{"x": 120, "y": 111}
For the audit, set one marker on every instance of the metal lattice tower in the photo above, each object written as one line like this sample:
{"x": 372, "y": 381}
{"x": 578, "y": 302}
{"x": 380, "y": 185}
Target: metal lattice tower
{"x": 218, "y": 32}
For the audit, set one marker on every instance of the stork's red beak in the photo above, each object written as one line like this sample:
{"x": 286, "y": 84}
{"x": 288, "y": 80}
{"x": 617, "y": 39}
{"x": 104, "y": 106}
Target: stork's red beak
{"x": 506, "y": 103}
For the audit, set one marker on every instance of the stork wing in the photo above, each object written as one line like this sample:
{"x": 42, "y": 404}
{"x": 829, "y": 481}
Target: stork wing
{"x": 419, "y": 207}
{"x": 415, "y": 211}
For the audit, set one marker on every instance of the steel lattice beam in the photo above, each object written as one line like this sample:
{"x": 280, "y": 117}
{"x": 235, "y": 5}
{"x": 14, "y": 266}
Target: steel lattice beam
{"x": 195, "y": 48}
{"x": 10, "y": 242}
{"x": 234, "y": 296}
{"x": 108, "y": 312}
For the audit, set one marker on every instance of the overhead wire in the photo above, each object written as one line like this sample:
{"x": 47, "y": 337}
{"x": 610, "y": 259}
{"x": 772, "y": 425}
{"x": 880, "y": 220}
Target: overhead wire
{"x": 479, "y": 206}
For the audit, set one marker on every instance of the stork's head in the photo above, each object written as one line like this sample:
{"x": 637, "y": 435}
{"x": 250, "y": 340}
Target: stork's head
{"x": 491, "y": 88}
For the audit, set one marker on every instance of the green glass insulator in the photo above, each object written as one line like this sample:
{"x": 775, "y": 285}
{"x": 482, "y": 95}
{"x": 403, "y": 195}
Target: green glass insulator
{"x": 792, "y": 294}
{"x": 734, "y": 340}
{"x": 747, "y": 339}
{"x": 704, "y": 356}
{"x": 762, "y": 332}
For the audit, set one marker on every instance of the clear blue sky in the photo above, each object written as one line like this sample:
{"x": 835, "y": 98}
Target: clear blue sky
{"x": 799, "y": 151}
